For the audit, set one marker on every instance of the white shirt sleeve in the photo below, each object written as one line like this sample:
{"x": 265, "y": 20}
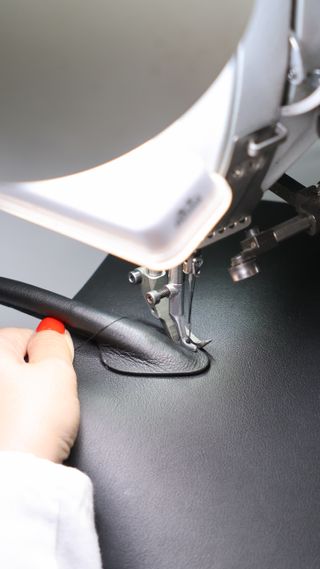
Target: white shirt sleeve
{"x": 46, "y": 515}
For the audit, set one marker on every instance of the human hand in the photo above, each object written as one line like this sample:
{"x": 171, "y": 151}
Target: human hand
{"x": 39, "y": 405}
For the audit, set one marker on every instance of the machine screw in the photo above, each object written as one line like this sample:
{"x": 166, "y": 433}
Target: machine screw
{"x": 258, "y": 163}
{"x": 153, "y": 297}
{"x": 238, "y": 172}
{"x": 135, "y": 277}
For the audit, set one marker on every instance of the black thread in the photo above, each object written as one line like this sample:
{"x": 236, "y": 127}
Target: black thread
{"x": 93, "y": 336}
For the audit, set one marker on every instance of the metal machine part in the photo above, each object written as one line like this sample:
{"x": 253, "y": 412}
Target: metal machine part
{"x": 306, "y": 202}
{"x": 256, "y": 243}
{"x": 255, "y": 137}
{"x": 296, "y": 71}
{"x": 216, "y": 159}
{"x": 250, "y": 161}
{"x": 165, "y": 291}
{"x": 226, "y": 231}
{"x": 169, "y": 295}
{"x": 300, "y": 92}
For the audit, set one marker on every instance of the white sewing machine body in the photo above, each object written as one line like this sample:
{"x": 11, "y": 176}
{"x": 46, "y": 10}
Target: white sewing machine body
{"x": 200, "y": 178}
{"x": 154, "y": 205}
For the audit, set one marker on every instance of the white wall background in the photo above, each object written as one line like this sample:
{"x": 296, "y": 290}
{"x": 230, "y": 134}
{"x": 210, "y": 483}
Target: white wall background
{"x": 42, "y": 258}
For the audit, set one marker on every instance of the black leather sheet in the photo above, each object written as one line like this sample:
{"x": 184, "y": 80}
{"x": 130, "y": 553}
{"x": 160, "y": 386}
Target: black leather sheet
{"x": 221, "y": 470}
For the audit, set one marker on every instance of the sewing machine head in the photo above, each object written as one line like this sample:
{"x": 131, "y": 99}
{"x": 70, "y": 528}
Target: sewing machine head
{"x": 220, "y": 118}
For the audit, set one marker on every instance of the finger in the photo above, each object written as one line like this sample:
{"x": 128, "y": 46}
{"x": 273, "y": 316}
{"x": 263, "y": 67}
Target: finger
{"x": 13, "y": 344}
{"x": 48, "y": 344}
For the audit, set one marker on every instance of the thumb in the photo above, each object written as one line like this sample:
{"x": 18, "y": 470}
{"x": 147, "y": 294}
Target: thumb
{"x": 51, "y": 340}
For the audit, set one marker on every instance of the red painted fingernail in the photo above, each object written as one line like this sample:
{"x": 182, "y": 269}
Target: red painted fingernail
{"x": 51, "y": 324}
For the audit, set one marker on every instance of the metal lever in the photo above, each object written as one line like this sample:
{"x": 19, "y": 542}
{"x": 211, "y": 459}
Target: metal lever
{"x": 256, "y": 243}
{"x": 255, "y": 148}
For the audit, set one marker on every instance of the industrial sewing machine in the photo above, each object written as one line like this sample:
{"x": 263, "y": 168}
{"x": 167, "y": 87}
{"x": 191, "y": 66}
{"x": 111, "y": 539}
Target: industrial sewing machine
{"x": 182, "y": 182}
{"x": 220, "y": 470}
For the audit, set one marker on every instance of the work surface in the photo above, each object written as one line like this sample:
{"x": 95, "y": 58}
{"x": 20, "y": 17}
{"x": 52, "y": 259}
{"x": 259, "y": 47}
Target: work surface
{"x": 221, "y": 470}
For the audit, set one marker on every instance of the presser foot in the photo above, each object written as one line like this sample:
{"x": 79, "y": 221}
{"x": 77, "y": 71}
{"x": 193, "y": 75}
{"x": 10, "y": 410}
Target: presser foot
{"x": 166, "y": 295}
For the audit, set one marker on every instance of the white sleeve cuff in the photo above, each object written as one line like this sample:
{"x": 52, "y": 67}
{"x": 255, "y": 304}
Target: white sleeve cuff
{"x": 46, "y": 515}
